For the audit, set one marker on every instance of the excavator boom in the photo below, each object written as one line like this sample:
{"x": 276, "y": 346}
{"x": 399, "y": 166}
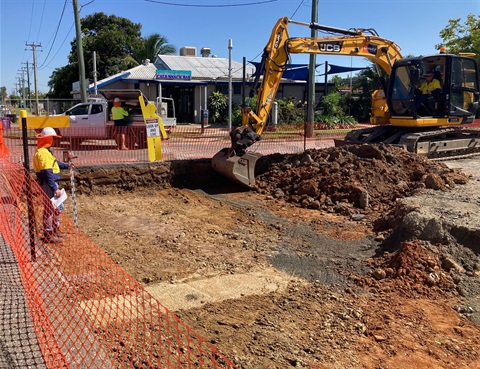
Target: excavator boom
{"x": 276, "y": 55}
{"x": 393, "y": 106}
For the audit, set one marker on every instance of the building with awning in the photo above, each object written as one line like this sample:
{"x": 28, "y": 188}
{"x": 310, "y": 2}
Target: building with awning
{"x": 190, "y": 79}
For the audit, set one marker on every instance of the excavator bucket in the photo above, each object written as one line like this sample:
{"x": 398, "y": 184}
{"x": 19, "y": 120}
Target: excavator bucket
{"x": 240, "y": 169}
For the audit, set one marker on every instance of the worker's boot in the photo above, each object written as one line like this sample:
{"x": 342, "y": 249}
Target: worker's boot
{"x": 51, "y": 237}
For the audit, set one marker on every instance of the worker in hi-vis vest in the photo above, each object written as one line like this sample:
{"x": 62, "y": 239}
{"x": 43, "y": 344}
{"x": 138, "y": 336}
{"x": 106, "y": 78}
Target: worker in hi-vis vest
{"x": 47, "y": 169}
{"x": 118, "y": 116}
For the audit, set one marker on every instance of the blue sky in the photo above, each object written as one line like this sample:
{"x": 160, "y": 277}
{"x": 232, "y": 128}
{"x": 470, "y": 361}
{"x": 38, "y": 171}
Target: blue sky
{"x": 413, "y": 24}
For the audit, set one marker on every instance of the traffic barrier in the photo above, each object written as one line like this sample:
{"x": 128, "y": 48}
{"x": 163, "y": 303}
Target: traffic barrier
{"x": 85, "y": 310}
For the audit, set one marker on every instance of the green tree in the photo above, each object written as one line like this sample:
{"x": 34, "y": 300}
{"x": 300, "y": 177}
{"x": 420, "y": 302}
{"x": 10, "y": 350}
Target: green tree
{"x": 61, "y": 80}
{"x": 368, "y": 79}
{"x": 337, "y": 81}
{"x": 331, "y": 104}
{"x": 113, "y": 38}
{"x": 152, "y": 46}
{"x": 3, "y": 93}
{"x": 118, "y": 45}
{"x": 458, "y": 37}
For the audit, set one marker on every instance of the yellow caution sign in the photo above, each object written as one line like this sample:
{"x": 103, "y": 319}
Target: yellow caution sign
{"x": 155, "y": 130}
{"x": 40, "y": 122}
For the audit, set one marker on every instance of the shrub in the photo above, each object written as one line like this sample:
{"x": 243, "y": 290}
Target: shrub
{"x": 217, "y": 107}
{"x": 290, "y": 111}
{"x": 358, "y": 106}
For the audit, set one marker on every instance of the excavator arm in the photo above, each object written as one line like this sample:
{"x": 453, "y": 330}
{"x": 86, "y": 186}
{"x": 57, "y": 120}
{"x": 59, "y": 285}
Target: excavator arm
{"x": 355, "y": 42}
{"x": 232, "y": 162}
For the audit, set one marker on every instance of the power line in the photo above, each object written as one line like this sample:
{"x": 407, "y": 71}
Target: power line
{"x": 298, "y": 7}
{"x": 41, "y": 18}
{"x": 59, "y": 48}
{"x": 56, "y": 32}
{"x": 34, "y": 46}
{"x": 31, "y": 19}
{"x": 55, "y": 35}
{"x": 211, "y": 5}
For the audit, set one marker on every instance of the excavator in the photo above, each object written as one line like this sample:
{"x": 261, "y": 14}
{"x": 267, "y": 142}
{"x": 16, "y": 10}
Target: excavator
{"x": 433, "y": 125}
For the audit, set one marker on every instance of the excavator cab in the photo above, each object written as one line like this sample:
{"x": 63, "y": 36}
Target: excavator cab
{"x": 456, "y": 102}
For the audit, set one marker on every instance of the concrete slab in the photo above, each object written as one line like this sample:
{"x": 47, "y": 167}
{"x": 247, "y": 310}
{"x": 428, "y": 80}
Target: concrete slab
{"x": 195, "y": 293}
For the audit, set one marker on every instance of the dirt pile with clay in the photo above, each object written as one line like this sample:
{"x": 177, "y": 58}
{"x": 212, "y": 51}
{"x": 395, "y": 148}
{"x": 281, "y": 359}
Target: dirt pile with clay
{"x": 357, "y": 179}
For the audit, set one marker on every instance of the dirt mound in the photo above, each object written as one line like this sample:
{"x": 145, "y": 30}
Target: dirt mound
{"x": 353, "y": 179}
{"x": 356, "y": 298}
{"x": 416, "y": 268}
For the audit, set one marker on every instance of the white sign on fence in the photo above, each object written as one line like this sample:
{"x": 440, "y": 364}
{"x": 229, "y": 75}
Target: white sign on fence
{"x": 153, "y": 130}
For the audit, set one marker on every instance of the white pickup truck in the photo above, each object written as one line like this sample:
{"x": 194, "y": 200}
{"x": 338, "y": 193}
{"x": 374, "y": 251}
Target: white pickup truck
{"x": 92, "y": 120}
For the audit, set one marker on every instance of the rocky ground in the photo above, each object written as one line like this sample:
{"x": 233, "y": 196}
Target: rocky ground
{"x": 358, "y": 257}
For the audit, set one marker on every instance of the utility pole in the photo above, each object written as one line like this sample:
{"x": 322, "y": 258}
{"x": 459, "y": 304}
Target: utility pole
{"x": 230, "y": 94}
{"x": 21, "y": 80}
{"x": 20, "y": 90}
{"x": 34, "y": 46}
{"x": 26, "y": 93}
{"x": 311, "y": 77}
{"x": 81, "y": 62}
{"x": 29, "y": 91}
{"x": 95, "y": 91}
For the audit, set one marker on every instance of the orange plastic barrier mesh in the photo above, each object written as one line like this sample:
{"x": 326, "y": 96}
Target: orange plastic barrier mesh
{"x": 184, "y": 143}
{"x": 85, "y": 310}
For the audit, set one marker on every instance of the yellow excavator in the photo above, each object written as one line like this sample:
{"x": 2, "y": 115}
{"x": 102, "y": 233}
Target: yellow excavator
{"x": 426, "y": 125}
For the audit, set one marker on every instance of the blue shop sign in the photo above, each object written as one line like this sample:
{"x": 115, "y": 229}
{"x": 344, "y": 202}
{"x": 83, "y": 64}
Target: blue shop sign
{"x": 173, "y": 74}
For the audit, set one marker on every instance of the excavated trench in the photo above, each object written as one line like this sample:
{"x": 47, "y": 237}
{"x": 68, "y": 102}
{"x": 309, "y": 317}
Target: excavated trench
{"x": 403, "y": 197}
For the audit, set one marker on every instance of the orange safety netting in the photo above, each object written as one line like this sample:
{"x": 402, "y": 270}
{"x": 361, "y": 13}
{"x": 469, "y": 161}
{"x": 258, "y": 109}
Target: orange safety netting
{"x": 4, "y": 153}
{"x": 183, "y": 143}
{"x": 85, "y": 310}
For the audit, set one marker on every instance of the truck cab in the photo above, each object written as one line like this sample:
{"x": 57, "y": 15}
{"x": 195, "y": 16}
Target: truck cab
{"x": 87, "y": 120}
{"x": 92, "y": 120}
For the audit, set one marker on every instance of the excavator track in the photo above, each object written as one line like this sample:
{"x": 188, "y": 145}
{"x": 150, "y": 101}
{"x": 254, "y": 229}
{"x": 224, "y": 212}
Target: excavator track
{"x": 435, "y": 143}
{"x": 443, "y": 143}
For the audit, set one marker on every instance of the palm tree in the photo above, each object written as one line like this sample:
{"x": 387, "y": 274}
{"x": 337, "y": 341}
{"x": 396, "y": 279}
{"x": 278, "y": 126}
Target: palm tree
{"x": 153, "y": 45}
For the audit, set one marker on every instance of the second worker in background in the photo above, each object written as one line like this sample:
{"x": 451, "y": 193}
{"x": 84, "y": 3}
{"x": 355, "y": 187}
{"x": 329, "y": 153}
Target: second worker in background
{"x": 118, "y": 116}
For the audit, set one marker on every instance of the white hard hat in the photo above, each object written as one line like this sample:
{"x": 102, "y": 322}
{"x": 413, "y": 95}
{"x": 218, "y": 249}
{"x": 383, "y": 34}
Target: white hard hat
{"x": 46, "y": 132}
{"x": 117, "y": 99}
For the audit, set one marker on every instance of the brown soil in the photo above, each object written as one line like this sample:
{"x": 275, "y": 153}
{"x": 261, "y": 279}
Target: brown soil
{"x": 334, "y": 262}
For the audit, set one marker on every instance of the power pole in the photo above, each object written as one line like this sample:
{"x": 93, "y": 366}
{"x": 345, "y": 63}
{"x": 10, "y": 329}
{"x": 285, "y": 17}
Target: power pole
{"x": 21, "y": 90}
{"x": 29, "y": 92}
{"x": 230, "y": 94}
{"x": 95, "y": 91}
{"x": 25, "y": 87}
{"x": 34, "y": 46}
{"x": 311, "y": 76}
{"x": 81, "y": 62}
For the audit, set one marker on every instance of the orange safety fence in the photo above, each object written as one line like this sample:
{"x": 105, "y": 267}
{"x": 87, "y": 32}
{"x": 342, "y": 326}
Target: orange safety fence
{"x": 85, "y": 310}
{"x": 184, "y": 142}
